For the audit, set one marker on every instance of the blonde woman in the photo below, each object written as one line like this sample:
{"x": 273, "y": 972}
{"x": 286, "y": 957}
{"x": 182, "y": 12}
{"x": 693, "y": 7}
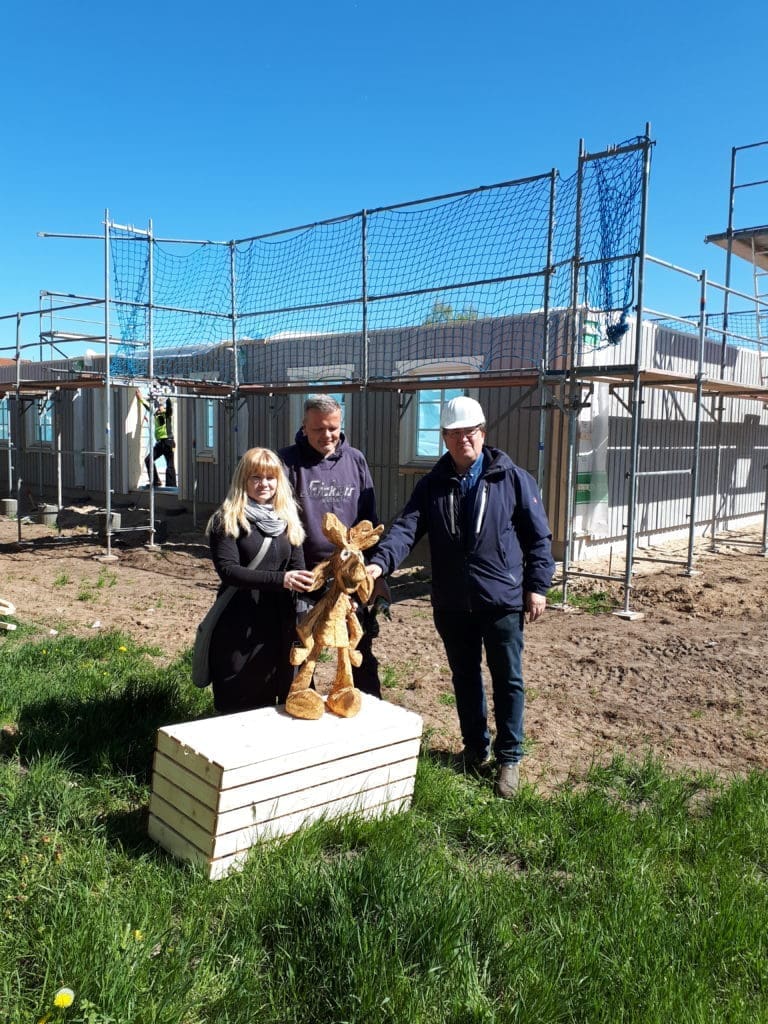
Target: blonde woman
{"x": 251, "y": 641}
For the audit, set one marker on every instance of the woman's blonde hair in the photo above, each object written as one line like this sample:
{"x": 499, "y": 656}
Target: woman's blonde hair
{"x": 230, "y": 516}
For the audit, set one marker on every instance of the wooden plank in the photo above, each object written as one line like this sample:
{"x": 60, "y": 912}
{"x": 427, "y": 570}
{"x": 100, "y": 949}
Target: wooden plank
{"x": 234, "y": 842}
{"x": 220, "y": 867}
{"x": 184, "y": 780}
{"x": 323, "y": 795}
{"x": 355, "y": 766}
{"x": 192, "y": 761}
{"x": 286, "y": 782}
{"x": 180, "y": 847}
{"x": 264, "y": 808}
{"x": 223, "y": 751}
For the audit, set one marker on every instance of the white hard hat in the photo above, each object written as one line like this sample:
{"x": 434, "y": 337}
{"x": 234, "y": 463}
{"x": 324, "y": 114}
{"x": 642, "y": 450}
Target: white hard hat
{"x": 461, "y": 412}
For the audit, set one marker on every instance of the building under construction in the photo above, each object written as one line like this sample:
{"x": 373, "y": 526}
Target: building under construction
{"x": 529, "y": 295}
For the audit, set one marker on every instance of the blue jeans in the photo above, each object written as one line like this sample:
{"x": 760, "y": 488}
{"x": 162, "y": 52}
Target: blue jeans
{"x": 464, "y": 634}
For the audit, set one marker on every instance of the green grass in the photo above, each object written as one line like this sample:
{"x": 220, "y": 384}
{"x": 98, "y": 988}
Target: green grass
{"x": 390, "y": 679}
{"x": 596, "y": 602}
{"x": 397, "y": 675}
{"x": 105, "y": 579}
{"x": 87, "y": 590}
{"x": 634, "y": 896}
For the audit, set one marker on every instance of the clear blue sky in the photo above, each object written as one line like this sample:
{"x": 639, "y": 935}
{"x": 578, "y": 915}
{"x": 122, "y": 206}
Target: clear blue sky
{"x": 225, "y": 120}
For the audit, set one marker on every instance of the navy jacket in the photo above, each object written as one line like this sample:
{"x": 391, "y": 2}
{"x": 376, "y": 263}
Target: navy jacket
{"x": 490, "y": 564}
{"x": 341, "y": 484}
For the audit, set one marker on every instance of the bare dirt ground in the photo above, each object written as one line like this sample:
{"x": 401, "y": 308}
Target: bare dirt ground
{"x": 688, "y": 683}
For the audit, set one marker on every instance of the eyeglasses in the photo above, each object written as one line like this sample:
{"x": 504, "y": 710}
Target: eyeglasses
{"x": 456, "y": 435}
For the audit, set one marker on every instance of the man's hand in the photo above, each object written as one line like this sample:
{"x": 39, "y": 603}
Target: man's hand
{"x": 534, "y": 606}
{"x": 374, "y": 571}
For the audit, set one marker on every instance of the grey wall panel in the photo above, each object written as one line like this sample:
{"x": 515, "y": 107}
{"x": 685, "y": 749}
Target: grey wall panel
{"x": 375, "y": 421}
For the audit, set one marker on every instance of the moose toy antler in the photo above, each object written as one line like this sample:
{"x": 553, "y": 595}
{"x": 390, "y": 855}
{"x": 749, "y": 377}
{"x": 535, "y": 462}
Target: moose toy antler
{"x": 333, "y": 623}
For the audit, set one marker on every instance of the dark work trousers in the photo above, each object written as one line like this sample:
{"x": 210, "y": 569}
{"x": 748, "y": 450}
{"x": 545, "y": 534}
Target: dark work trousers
{"x": 165, "y": 448}
{"x": 366, "y": 677}
{"x": 464, "y": 634}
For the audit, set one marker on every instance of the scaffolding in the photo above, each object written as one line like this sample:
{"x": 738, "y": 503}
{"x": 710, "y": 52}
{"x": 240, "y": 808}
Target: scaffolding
{"x": 749, "y": 243}
{"x": 391, "y": 295}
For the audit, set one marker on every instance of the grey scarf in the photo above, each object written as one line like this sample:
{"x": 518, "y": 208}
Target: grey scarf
{"x": 263, "y": 516}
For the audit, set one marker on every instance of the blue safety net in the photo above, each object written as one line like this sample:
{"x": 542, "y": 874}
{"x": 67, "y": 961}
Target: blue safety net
{"x": 476, "y": 283}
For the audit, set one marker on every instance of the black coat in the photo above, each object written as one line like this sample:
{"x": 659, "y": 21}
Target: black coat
{"x": 490, "y": 564}
{"x": 251, "y": 641}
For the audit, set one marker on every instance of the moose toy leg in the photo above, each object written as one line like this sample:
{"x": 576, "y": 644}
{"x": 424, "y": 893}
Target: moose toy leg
{"x": 344, "y": 700}
{"x": 301, "y": 701}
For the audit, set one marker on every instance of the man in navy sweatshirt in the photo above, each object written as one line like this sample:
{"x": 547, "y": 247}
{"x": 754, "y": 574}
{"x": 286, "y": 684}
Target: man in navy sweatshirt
{"x": 328, "y": 475}
{"x": 492, "y": 565}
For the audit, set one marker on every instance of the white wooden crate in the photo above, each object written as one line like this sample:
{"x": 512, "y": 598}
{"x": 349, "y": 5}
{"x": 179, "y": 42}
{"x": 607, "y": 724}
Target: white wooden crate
{"x": 220, "y": 785}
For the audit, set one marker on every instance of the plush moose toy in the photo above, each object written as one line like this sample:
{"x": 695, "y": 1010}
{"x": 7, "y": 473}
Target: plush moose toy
{"x": 333, "y": 623}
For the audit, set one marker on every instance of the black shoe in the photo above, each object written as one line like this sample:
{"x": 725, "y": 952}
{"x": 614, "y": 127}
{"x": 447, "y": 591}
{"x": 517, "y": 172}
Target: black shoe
{"x": 474, "y": 762}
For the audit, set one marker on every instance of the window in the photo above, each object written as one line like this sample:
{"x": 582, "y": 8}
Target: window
{"x": 206, "y": 425}
{"x": 421, "y": 442}
{"x": 43, "y": 421}
{"x": 428, "y": 441}
{"x": 205, "y": 429}
{"x": 5, "y": 420}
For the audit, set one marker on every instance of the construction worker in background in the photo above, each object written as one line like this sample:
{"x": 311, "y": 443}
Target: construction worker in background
{"x": 164, "y": 443}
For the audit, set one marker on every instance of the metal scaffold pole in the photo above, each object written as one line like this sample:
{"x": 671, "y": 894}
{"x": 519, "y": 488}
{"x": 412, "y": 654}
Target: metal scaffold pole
{"x": 546, "y": 341}
{"x": 107, "y": 397}
{"x": 18, "y": 426}
{"x": 573, "y": 398}
{"x": 637, "y": 388}
{"x": 151, "y": 374}
{"x": 720, "y": 408}
{"x": 689, "y": 571}
{"x": 235, "y": 448}
{"x": 364, "y": 325}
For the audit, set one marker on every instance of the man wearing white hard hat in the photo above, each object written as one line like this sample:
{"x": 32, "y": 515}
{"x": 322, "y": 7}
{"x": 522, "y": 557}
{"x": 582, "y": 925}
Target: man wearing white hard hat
{"x": 492, "y": 565}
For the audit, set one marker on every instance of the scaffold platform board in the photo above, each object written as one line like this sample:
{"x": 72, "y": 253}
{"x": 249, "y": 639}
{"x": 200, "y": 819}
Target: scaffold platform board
{"x": 751, "y": 244}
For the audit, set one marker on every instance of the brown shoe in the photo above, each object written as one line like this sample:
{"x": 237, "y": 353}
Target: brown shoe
{"x": 507, "y": 780}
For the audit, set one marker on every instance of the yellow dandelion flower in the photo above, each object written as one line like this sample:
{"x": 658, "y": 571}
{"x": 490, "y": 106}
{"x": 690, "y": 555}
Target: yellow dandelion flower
{"x": 63, "y": 998}
{"x": 121, "y": 648}
{"x": 138, "y": 935}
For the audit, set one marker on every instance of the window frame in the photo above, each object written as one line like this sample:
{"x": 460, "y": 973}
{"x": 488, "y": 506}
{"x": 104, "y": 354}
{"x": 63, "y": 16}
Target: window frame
{"x": 206, "y": 420}
{"x": 5, "y": 422}
{"x": 39, "y": 413}
{"x": 433, "y": 369}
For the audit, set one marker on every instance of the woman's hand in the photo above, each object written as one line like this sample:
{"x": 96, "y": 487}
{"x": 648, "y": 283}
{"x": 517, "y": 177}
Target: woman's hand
{"x": 299, "y": 580}
{"x": 374, "y": 571}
